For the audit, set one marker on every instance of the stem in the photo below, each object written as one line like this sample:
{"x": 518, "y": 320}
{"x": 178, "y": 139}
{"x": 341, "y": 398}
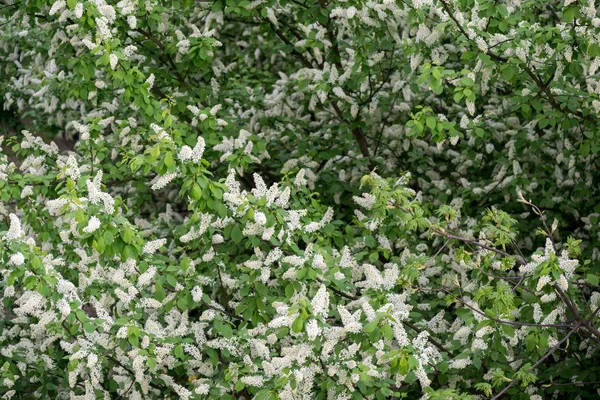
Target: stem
{"x": 571, "y": 306}
{"x": 548, "y": 354}
{"x": 520, "y": 260}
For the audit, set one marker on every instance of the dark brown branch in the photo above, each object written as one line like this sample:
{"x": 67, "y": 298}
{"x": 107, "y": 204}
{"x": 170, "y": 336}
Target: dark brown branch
{"x": 430, "y": 338}
{"x": 232, "y": 315}
{"x": 576, "y": 383}
{"x": 548, "y": 354}
{"x": 571, "y": 306}
{"x": 358, "y": 134}
{"x": 531, "y": 72}
{"x": 298, "y": 55}
{"x": 502, "y": 321}
{"x": 165, "y": 58}
{"x": 520, "y": 260}
{"x": 337, "y": 291}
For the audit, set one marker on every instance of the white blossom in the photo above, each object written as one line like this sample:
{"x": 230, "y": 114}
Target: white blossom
{"x": 320, "y": 303}
{"x": 163, "y": 180}
{"x": 14, "y": 231}
{"x": 16, "y": 259}
{"x": 93, "y": 225}
{"x": 152, "y": 246}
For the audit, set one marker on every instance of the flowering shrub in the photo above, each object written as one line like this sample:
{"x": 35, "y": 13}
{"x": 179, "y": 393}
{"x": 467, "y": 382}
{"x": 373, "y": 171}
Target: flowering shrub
{"x": 278, "y": 199}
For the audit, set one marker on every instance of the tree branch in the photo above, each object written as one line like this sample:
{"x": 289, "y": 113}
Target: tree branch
{"x": 548, "y": 354}
{"x": 520, "y": 260}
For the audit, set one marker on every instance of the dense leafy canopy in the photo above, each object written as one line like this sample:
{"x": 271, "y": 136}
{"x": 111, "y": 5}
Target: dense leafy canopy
{"x": 294, "y": 199}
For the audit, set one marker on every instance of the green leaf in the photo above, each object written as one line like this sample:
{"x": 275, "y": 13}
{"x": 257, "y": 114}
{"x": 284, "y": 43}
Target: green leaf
{"x": 89, "y": 327}
{"x": 301, "y": 273}
{"x": 431, "y": 122}
{"x": 387, "y": 332}
{"x": 133, "y": 340}
{"x": 371, "y": 326}
{"x": 569, "y": 13}
{"x": 159, "y": 292}
{"x": 508, "y": 72}
{"x": 467, "y": 81}
{"x": 171, "y": 280}
{"x": 236, "y": 234}
{"x": 36, "y": 263}
{"x": 593, "y": 50}
{"x": 443, "y": 367}
{"x": 373, "y": 257}
{"x": 298, "y": 324}
{"x": 128, "y": 235}
{"x": 289, "y": 291}
{"x": 264, "y": 394}
{"x": 226, "y": 331}
{"x": 81, "y": 316}
{"x": 99, "y": 244}
{"x": 530, "y": 342}
{"x": 196, "y": 192}
{"x": 370, "y": 241}
{"x": 502, "y": 10}
{"x": 585, "y": 149}
{"x": 182, "y": 303}
{"x": 30, "y": 282}
{"x": 169, "y": 160}
{"x": 178, "y": 352}
{"x": 403, "y": 365}
{"x": 108, "y": 237}
{"x": 151, "y": 362}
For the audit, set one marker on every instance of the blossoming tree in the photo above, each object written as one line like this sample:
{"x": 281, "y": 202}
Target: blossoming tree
{"x": 293, "y": 199}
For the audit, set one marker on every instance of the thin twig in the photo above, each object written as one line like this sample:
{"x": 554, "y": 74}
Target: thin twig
{"x": 571, "y": 306}
{"x": 520, "y": 260}
{"x": 548, "y": 354}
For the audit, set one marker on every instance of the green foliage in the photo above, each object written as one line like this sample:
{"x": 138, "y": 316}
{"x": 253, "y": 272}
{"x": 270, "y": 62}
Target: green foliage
{"x": 299, "y": 200}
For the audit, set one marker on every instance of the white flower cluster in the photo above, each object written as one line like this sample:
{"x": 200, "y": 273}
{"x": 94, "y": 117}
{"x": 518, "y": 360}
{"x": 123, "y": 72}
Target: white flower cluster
{"x": 152, "y": 246}
{"x": 163, "y": 180}
{"x": 14, "y": 231}
{"x": 320, "y": 303}
{"x": 230, "y": 144}
{"x": 16, "y": 259}
{"x": 187, "y": 153}
{"x": 93, "y": 225}
{"x": 367, "y": 200}
{"x": 95, "y": 194}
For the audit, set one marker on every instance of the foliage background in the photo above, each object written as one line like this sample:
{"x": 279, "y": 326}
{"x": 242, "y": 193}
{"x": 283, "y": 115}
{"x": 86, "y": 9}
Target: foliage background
{"x": 300, "y": 199}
